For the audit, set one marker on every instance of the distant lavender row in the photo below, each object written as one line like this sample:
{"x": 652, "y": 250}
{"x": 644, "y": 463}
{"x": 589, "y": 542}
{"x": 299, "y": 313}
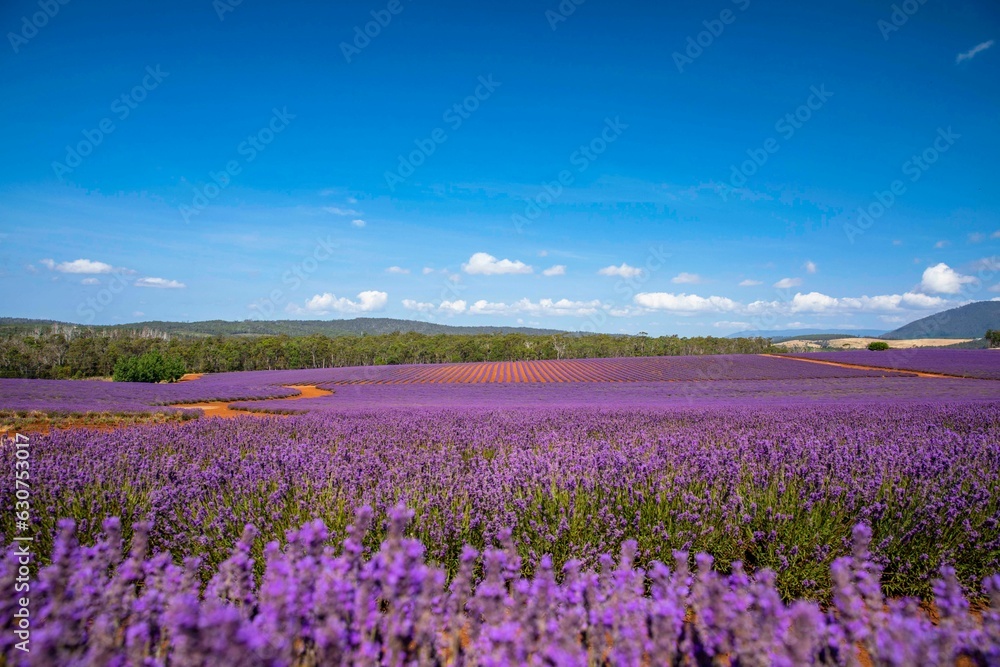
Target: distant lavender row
{"x": 768, "y": 486}
{"x": 624, "y": 369}
{"x": 94, "y": 606}
{"x": 652, "y": 395}
{"x": 983, "y": 364}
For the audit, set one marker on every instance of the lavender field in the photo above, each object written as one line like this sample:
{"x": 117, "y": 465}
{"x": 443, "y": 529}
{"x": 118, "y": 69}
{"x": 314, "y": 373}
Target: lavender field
{"x": 787, "y": 518}
{"x": 983, "y": 364}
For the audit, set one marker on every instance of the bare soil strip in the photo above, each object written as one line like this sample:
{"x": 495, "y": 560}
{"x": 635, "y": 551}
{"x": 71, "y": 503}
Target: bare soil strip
{"x": 222, "y": 409}
{"x": 922, "y": 374}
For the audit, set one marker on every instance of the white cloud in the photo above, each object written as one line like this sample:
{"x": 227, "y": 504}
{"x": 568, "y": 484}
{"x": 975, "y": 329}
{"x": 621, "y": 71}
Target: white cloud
{"x": 785, "y": 283}
{"x": 815, "y": 302}
{"x": 78, "y": 266}
{"x": 942, "y": 279}
{"x": 897, "y": 242}
{"x": 750, "y": 283}
{"x": 942, "y": 244}
{"x": 419, "y": 306}
{"x": 557, "y": 270}
{"x": 340, "y": 211}
{"x": 90, "y": 281}
{"x": 543, "y": 253}
{"x": 322, "y": 304}
{"x": 819, "y": 303}
{"x": 451, "y": 307}
{"x": 427, "y": 271}
{"x": 358, "y": 223}
{"x": 684, "y": 303}
{"x": 922, "y": 301}
{"x": 684, "y": 278}
{"x": 995, "y": 235}
{"x": 137, "y": 313}
{"x": 810, "y": 266}
{"x": 971, "y": 53}
{"x": 995, "y": 288}
{"x": 484, "y": 264}
{"x": 624, "y": 271}
{"x": 161, "y": 283}
{"x": 398, "y": 270}
{"x": 728, "y": 324}
{"x": 977, "y": 237}
{"x": 562, "y": 307}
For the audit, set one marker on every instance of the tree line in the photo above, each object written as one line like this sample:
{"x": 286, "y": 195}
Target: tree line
{"x": 89, "y": 353}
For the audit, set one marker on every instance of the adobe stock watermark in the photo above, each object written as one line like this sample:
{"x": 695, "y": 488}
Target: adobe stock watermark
{"x": 294, "y": 277}
{"x": 363, "y": 35}
{"x": 563, "y": 11}
{"x": 449, "y": 297}
{"x": 786, "y": 127}
{"x": 581, "y": 158}
{"x": 656, "y": 259}
{"x": 454, "y": 116}
{"x": 900, "y": 14}
{"x": 248, "y": 150}
{"x": 121, "y": 108}
{"x": 223, "y": 7}
{"x": 30, "y": 25}
{"x": 913, "y": 168}
{"x": 93, "y": 305}
{"x": 697, "y": 44}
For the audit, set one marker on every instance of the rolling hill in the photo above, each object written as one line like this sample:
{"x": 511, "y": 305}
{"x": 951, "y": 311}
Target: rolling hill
{"x": 968, "y": 321}
{"x": 294, "y": 328}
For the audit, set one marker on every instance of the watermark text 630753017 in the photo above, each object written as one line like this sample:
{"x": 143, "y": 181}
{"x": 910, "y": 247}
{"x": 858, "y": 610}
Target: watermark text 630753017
{"x": 21, "y": 592}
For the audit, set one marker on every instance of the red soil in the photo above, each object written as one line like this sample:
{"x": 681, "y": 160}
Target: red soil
{"x": 222, "y": 409}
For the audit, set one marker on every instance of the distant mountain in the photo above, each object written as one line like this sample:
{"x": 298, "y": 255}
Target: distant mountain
{"x": 354, "y": 327}
{"x": 968, "y": 321}
{"x": 789, "y": 334}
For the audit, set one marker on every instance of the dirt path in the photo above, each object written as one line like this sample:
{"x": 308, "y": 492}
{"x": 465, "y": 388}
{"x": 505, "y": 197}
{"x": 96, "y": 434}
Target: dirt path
{"x": 922, "y": 374}
{"x": 222, "y": 409}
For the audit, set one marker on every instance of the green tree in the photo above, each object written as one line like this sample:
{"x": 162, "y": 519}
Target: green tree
{"x": 878, "y": 345}
{"x": 993, "y": 337}
{"x": 149, "y": 367}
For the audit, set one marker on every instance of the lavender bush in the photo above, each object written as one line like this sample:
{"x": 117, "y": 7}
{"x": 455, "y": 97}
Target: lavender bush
{"x": 315, "y": 606}
{"x": 769, "y": 487}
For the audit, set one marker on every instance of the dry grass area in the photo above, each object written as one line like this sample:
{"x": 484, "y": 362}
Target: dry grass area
{"x": 862, "y": 343}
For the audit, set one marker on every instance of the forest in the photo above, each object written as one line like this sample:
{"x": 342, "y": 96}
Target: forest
{"x": 78, "y": 352}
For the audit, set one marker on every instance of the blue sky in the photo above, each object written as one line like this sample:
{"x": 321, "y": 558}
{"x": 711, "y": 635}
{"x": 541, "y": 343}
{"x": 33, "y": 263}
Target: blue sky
{"x": 693, "y": 168}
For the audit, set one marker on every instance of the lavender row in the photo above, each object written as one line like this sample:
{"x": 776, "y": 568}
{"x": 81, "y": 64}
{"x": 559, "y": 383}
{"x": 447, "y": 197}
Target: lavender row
{"x": 983, "y": 364}
{"x": 651, "y": 395}
{"x": 313, "y": 606}
{"x": 769, "y": 486}
{"x": 625, "y": 369}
